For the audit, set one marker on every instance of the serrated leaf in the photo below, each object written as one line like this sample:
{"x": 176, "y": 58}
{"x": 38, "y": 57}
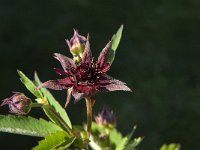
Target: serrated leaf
{"x": 53, "y": 102}
{"x": 54, "y": 140}
{"x": 27, "y": 126}
{"x": 172, "y": 146}
{"x": 115, "y": 42}
{"x": 29, "y": 84}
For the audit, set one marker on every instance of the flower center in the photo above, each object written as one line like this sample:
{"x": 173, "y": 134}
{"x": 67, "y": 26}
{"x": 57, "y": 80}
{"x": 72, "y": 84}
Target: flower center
{"x": 88, "y": 74}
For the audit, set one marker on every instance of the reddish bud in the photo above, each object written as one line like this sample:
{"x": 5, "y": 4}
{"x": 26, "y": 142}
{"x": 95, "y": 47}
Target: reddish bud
{"x": 18, "y": 104}
{"x": 106, "y": 118}
{"x": 76, "y": 44}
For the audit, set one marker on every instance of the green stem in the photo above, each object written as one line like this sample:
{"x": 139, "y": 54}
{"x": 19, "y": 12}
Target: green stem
{"x": 37, "y": 105}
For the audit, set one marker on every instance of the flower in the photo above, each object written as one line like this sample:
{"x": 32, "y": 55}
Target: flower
{"x": 86, "y": 78}
{"x": 76, "y": 45}
{"x": 18, "y": 103}
{"x": 106, "y": 118}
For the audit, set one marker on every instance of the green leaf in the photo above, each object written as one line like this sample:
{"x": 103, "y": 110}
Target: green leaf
{"x": 131, "y": 134}
{"x": 66, "y": 144}
{"x": 55, "y": 117}
{"x": 115, "y": 137}
{"x": 171, "y": 146}
{"x": 54, "y": 140}
{"x": 27, "y": 125}
{"x": 97, "y": 128}
{"x": 79, "y": 143}
{"x": 122, "y": 144}
{"x": 132, "y": 144}
{"x": 29, "y": 84}
{"x": 115, "y": 42}
{"x": 53, "y": 102}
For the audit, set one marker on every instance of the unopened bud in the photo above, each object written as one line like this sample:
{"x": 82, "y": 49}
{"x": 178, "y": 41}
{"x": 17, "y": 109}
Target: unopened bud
{"x": 18, "y": 104}
{"x": 76, "y": 44}
{"x": 106, "y": 118}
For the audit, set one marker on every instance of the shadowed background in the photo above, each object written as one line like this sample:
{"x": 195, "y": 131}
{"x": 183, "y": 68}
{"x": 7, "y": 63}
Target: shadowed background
{"x": 158, "y": 58}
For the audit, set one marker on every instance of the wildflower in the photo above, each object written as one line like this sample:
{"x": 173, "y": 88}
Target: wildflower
{"x": 86, "y": 78}
{"x": 18, "y": 103}
{"x": 106, "y": 118}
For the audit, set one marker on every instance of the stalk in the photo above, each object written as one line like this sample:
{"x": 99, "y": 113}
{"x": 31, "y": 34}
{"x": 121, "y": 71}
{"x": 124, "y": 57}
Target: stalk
{"x": 89, "y": 114}
{"x": 37, "y": 105}
{"x": 89, "y": 119}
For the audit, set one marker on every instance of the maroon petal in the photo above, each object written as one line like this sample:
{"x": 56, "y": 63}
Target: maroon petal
{"x": 87, "y": 89}
{"x": 78, "y": 96}
{"x": 65, "y": 62}
{"x": 111, "y": 84}
{"x": 57, "y": 84}
{"x": 69, "y": 95}
{"x": 68, "y": 43}
{"x": 87, "y": 55}
{"x": 60, "y": 71}
{"x": 103, "y": 57}
{"x": 106, "y": 67}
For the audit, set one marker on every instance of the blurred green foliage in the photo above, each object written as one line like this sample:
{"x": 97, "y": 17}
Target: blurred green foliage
{"x": 158, "y": 57}
{"x": 171, "y": 146}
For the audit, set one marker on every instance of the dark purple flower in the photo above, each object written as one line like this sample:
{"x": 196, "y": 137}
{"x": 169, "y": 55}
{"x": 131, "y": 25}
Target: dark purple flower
{"x": 106, "y": 118}
{"x": 76, "y": 44}
{"x": 18, "y": 103}
{"x": 86, "y": 78}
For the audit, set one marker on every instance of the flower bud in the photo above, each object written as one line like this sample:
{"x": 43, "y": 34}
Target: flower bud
{"x": 18, "y": 104}
{"x": 106, "y": 118}
{"x": 76, "y": 44}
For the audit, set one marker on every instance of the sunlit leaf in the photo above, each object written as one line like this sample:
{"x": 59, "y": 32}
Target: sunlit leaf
{"x": 122, "y": 144}
{"x": 115, "y": 137}
{"x": 54, "y": 140}
{"x": 97, "y": 128}
{"x": 29, "y": 84}
{"x": 171, "y": 146}
{"x": 126, "y": 143}
{"x": 27, "y": 125}
{"x": 115, "y": 42}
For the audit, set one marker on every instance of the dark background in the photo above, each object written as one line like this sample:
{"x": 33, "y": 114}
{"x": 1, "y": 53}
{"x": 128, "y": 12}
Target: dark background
{"x": 158, "y": 58}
